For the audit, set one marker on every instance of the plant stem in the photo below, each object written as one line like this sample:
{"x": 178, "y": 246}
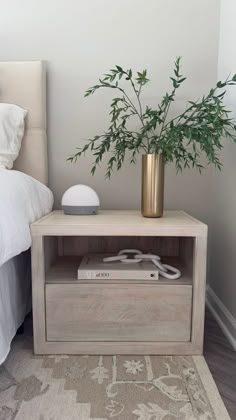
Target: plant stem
{"x": 140, "y": 113}
{"x": 138, "y": 98}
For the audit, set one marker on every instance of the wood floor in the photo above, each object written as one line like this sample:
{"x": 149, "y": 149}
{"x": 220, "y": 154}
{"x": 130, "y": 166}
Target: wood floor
{"x": 221, "y": 359}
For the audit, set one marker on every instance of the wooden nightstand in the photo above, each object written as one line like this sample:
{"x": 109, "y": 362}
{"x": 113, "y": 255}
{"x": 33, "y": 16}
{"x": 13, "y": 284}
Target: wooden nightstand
{"x": 73, "y": 318}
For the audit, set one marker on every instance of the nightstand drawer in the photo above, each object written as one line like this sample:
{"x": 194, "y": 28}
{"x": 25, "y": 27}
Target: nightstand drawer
{"x": 82, "y": 312}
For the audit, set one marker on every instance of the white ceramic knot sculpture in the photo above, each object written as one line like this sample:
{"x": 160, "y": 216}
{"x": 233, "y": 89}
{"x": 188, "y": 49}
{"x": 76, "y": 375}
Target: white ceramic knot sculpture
{"x": 165, "y": 270}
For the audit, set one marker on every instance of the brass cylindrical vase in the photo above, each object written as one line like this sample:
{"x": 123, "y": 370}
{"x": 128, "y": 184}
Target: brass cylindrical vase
{"x": 152, "y": 185}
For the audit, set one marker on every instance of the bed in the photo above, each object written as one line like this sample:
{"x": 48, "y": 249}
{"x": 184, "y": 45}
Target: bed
{"x": 23, "y": 84}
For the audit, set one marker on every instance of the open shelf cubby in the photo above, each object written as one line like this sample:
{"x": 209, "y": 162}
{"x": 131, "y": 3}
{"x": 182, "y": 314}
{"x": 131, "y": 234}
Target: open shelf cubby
{"x": 66, "y": 253}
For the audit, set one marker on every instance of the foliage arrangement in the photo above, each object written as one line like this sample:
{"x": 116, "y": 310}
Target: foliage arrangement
{"x": 199, "y": 130}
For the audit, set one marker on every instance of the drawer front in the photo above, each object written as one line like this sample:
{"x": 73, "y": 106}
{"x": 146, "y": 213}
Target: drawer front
{"x": 118, "y": 312}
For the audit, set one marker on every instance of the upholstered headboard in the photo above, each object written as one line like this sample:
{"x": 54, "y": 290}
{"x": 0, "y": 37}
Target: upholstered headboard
{"x": 24, "y": 83}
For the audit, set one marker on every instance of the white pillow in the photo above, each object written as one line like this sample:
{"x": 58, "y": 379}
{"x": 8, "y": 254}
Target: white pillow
{"x": 11, "y": 133}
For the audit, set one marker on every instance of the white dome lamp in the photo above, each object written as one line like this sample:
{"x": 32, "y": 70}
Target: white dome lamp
{"x": 80, "y": 200}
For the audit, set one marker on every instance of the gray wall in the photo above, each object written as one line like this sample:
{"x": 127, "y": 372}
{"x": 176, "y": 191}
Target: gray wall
{"x": 222, "y": 249}
{"x": 80, "y": 40}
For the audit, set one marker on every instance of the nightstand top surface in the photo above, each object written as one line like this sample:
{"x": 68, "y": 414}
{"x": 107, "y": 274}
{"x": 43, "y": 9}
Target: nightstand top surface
{"x": 119, "y": 223}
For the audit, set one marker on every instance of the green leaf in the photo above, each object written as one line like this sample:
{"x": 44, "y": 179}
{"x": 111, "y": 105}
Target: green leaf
{"x": 119, "y": 68}
{"x": 175, "y": 84}
{"x": 220, "y": 84}
{"x": 184, "y": 139}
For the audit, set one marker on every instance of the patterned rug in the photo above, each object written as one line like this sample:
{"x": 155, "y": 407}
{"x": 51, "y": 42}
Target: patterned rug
{"x": 106, "y": 387}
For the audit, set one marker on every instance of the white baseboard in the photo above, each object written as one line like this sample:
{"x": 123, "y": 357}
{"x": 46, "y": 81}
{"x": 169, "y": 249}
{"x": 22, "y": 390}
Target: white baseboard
{"x": 222, "y": 315}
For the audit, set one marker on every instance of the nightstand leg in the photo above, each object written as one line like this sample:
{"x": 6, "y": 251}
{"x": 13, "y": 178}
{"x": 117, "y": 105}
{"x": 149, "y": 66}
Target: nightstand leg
{"x": 199, "y": 286}
{"x": 38, "y": 298}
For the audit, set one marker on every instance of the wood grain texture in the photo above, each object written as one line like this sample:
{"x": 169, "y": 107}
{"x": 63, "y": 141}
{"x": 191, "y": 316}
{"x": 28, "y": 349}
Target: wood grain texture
{"x": 114, "y": 347}
{"x": 38, "y": 298}
{"x": 119, "y": 223}
{"x": 50, "y": 244}
{"x": 118, "y": 312}
{"x": 82, "y": 245}
{"x": 168, "y": 325}
{"x": 199, "y": 286}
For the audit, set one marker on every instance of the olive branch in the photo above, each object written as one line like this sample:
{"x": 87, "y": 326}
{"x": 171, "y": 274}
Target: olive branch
{"x": 199, "y": 130}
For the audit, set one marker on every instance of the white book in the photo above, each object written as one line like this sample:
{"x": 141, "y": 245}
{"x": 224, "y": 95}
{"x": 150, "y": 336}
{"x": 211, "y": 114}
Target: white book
{"x": 93, "y": 268}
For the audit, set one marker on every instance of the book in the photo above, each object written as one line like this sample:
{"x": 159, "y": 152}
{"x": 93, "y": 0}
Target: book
{"x": 93, "y": 268}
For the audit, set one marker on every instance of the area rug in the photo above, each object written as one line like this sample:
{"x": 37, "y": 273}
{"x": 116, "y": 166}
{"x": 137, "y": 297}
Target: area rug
{"x": 106, "y": 387}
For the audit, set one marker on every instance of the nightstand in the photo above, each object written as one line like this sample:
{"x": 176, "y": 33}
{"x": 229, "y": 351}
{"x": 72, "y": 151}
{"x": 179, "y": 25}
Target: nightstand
{"x": 72, "y": 317}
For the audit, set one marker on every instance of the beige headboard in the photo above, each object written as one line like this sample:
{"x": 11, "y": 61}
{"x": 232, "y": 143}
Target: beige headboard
{"x": 24, "y": 83}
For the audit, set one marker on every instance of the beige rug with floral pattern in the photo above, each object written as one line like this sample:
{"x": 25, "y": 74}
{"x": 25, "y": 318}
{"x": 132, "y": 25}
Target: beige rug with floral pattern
{"x": 106, "y": 387}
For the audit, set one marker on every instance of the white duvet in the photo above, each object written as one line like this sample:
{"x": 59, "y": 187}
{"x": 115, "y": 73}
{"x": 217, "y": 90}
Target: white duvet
{"x": 22, "y": 201}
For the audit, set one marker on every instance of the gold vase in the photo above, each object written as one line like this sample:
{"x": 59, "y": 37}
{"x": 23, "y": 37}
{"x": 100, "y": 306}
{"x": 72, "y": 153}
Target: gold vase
{"x": 152, "y": 185}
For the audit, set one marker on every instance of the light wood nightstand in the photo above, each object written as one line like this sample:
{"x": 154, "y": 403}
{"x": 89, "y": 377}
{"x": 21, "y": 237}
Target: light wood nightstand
{"x": 129, "y": 318}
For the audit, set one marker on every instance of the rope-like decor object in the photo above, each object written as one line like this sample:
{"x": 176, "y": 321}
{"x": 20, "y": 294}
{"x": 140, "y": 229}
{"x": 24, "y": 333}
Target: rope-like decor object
{"x": 164, "y": 270}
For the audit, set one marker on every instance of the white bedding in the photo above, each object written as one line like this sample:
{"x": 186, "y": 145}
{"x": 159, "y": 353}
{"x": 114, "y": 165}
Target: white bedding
{"x": 15, "y": 298}
{"x": 22, "y": 201}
